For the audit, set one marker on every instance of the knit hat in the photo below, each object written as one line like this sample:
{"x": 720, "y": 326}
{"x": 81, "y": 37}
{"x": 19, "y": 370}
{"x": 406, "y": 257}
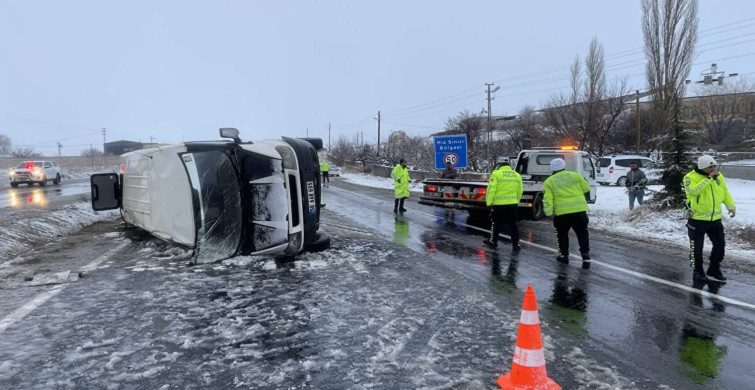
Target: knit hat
{"x": 706, "y": 161}
{"x": 558, "y": 164}
{"x": 502, "y": 160}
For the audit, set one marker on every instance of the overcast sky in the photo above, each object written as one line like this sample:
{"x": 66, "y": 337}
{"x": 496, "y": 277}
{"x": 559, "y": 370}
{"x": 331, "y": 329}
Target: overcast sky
{"x": 179, "y": 70}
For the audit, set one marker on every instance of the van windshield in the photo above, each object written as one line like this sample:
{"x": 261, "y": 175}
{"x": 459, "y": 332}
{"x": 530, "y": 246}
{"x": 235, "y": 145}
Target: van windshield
{"x": 217, "y": 204}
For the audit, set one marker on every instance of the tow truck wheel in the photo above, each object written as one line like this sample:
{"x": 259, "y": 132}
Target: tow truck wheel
{"x": 537, "y": 208}
{"x": 318, "y": 245}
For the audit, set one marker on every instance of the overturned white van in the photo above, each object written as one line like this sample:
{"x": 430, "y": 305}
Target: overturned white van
{"x": 221, "y": 198}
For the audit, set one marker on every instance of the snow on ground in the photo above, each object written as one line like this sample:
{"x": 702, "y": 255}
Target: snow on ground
{"x": 24, "y": 229}
{"x": 611, "y": 213}
{"x": 378, "y": 182}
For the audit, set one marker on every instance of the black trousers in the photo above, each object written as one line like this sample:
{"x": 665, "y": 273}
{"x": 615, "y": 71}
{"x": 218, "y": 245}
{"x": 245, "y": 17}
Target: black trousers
{"x": 398, "y": 204}
{"x": 325, "y": 176}
{"x": 505, "y": 215}
{"x": 697, "y": 231}
{"x": 576, "y": 221}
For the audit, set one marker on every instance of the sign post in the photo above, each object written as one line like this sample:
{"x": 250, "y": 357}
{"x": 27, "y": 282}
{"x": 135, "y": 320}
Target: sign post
{"x": 450, "y": 148}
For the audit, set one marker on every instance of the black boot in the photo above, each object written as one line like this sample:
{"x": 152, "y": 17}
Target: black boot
{"x": 401, "y": 205}
{"x": 715, "y": 274}
{"x": 586, "y": 260}
{"x": 490, "y": 243}
{"x": 395, "y": 206}
{"x": 563, "y": 259}
{"x": 700, "y": 275}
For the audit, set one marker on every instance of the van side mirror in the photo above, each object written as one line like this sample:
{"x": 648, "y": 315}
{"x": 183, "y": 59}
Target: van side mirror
{"x": 230, "y": 132}
{"x": 106, "y": 191}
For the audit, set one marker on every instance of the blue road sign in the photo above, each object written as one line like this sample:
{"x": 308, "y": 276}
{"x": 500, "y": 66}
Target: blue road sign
{"x": 450, "y": 148}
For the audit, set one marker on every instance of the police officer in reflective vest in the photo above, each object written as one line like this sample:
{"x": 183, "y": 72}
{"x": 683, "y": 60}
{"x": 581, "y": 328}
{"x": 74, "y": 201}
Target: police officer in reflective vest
{"x": 400, "y": 176}
{"x": 565, "y": 198}
{"x": 705, "y": 189}
{"x": 504, "y": 191}
{"x": 325, "y": 169}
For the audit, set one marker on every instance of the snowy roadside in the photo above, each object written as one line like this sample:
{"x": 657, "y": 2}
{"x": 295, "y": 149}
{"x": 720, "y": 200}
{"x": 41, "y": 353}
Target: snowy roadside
{"x": 611, "y": 213}
{"x": 27, "y": 228}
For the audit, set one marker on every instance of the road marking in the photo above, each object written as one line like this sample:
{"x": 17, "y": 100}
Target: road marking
{"x": 40, "y": 299}
{"x": 593, "y": 261}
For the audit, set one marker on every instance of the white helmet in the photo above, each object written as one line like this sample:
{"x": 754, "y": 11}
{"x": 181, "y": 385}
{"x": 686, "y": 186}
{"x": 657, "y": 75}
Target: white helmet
{"x": 706, "y": 161}
{"x": 502, "y": 160}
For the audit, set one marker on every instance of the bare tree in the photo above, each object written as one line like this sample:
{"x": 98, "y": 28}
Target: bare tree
{"x": 669, "y": 30}
{"x": 524, "y": 131}
{"x": 723, "y": 108}
{"x": 588, "y": 116}
{"x": 91, "y": 152}
{"x": 24, "y": 152}
{"x": 473, "y": 127}
{"x": 5, "y": 145}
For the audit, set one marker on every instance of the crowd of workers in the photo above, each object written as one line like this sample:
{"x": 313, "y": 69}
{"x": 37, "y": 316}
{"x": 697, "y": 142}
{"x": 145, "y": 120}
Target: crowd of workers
{"x": 566, "y": 195}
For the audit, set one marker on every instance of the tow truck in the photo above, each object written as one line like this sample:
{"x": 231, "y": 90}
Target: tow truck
{"x": 221, "y": 198}
{"x": 534, "y": 167}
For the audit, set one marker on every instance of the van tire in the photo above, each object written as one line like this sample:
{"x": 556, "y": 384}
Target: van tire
{"x": 622, "y": 181}
{"x": 320, "y": 244}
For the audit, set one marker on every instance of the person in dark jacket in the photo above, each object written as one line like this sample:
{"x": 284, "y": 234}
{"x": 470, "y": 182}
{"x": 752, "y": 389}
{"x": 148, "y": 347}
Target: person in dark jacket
{"x": 449, "y": 172}
{"x": 635, "y": 183}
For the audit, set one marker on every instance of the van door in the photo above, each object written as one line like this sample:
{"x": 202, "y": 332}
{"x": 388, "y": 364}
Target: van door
{"x": 588, "y": 172}
{"x": 106, "y": 191}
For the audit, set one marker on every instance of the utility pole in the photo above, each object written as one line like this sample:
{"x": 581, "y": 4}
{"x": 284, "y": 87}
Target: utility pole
{"x": 709, "y": 74}
{"x": 104, "y": 132}
{"x": 59, "y": 146}
{"x": 490, "y": 129}
{"x": 91, "y": 154}
{"x": 307, "y": 132}
{"x": 151, "y": 141}
{"x": 378, "y": 144}
{"x": 328, "y": 137}
{"x": 637, "y": 109}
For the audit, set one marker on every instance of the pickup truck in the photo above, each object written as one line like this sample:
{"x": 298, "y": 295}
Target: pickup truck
{"x": 30, "y": 172}
{"x": 221, "y": 198}
{"x": 534, "y": 167}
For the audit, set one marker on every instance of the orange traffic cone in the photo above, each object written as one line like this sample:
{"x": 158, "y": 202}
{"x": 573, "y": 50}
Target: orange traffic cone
{"x": 528, "y": 367}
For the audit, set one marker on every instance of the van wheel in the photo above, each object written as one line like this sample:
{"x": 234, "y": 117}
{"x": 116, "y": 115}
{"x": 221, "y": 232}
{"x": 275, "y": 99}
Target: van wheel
{"x": 320, "y": 244}
{"x": 622, "y": 181}
{"x": 538, "y": 212}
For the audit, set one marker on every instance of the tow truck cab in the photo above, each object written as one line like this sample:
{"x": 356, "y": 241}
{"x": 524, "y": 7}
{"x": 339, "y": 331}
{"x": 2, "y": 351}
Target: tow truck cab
{"x": 221, "y": 198}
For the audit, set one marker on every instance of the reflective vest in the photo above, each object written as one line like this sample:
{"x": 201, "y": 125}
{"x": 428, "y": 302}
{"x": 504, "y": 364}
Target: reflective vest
{"x": 504, "y": 187}
{"x": 400, "y": 176}
{"x": 324, "y": 166}
{"x": 565, "y": 193}
{"x": 705, "y": 195}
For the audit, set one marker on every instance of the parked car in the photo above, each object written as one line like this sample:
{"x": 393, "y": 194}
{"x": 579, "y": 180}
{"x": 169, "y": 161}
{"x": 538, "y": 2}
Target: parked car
{"x": 221, "y": 198}
{"x": 334, "y": 171}
{"x": 613, "y": 169}
{"x": 30, "y": 172}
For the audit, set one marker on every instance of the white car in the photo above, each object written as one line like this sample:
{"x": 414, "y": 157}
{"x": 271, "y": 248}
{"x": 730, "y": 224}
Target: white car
{"x": 30, "y": 172}
{"x": 221, "y": 198}
{"x": 613, "y": 169}
{"x": 334, "y": 171}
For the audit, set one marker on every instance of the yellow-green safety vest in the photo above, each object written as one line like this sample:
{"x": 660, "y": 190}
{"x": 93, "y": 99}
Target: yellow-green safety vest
{"x": 400, "y": 176}
{"x": 705, "y": 195}
{"x": 504, "y": 187}
{"x": 565, "y": 193}
{"x": 324, "y": 166}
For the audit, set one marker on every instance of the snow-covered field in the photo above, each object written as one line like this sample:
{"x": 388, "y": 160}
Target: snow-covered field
{"x": 611, "y": 213}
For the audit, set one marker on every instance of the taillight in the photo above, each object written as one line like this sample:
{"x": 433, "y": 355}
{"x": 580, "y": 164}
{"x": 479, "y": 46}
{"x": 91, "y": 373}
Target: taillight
{"x": 610, "y": 170}
{"x": 431, "y": 188}
{"x": 29, "y": 165}
{"x": 481, "y": 191}
{"x": 123, "y": 169}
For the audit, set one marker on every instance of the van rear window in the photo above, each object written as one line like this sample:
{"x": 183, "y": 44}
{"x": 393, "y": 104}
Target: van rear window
{"x": 604, "y": 162}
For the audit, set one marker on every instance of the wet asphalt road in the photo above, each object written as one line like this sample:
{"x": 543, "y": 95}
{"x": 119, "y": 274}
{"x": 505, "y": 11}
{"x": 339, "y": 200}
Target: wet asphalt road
{"x": 407, "y": 301}
{"x": 30, "y": 197}
{"x": 663, "y": 334}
